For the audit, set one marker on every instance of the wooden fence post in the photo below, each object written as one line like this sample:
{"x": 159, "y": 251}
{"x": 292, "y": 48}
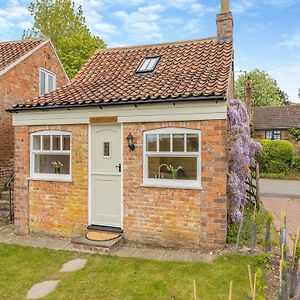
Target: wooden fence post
{"x": 257, "y": 184}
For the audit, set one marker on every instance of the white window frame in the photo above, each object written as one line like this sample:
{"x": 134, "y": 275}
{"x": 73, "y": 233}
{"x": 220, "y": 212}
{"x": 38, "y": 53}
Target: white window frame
{"x": 45, "y": 176}
{"x": 171, "y": 183}
{"x": 47, "y": 75}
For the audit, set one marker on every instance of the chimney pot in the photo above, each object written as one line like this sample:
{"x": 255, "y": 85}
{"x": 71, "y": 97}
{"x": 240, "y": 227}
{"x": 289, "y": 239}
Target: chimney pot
{"x": 224, "y": 6}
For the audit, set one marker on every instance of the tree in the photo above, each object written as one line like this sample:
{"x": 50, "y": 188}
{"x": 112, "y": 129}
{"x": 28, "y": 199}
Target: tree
{"x": 265, "y": 89}
{"x": 67, "y": 29}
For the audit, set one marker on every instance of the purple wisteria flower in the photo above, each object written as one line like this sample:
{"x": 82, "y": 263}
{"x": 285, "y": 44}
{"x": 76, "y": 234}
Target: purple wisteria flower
{"x": 241, "y": 157}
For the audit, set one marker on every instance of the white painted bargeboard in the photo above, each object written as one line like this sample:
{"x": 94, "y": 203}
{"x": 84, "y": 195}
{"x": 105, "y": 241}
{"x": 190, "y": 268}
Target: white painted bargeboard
{"x": 189, "y": 111}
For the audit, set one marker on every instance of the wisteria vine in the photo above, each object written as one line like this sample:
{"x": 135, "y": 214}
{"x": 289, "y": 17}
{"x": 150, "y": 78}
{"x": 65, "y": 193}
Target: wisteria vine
{"x": 241, "y": 157}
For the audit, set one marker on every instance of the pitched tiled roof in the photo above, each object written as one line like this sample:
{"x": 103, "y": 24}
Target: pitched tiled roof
{"x": 198, "y": 68}
{"x": 276, "y": 117}
{"x": 10, "y": 52}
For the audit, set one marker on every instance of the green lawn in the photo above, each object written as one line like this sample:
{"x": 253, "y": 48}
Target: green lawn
{"x": 114, "y": 278}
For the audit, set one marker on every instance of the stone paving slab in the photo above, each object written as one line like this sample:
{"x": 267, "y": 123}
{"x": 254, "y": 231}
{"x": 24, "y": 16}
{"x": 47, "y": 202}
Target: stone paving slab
{"x": 42, "y": 289}
{"x": 123, "y": 250}
{"x": 74, "y": 265}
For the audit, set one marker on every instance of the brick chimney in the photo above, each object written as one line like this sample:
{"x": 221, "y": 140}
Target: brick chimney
{"x": 225, "y": 22}
{"x": 249, "y": 104}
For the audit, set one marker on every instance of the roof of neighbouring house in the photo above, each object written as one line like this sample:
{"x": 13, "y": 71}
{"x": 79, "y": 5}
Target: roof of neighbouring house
{"x": 276, "y": 117}
{"x": 12, "y": 52}
{"x": 186, "y": 69}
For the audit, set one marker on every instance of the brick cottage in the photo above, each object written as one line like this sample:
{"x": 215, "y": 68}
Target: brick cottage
{"x": 275, "y": 122}
{"x": 25, "y": 66}
{"x": 135, "y": 143}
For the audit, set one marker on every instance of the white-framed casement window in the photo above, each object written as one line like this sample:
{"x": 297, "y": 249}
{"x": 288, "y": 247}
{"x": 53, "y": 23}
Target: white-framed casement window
{"x": 50, "y": 156}
{"x": 172, "y": 158}
{"x": 47, "y": 81}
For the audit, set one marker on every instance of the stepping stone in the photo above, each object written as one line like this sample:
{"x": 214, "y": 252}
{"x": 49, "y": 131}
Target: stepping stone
{"x": 73, "y": 265}
{"x": 42, "y": 289}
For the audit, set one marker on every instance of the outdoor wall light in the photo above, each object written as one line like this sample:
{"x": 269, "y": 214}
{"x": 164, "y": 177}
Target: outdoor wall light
{"x": 131, "y": 145}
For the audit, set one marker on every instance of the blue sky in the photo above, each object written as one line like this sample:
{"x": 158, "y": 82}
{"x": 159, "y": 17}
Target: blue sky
{"x": 267, "y": 32}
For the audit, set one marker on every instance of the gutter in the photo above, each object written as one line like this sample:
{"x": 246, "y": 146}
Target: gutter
{"x": 100, "y": 105}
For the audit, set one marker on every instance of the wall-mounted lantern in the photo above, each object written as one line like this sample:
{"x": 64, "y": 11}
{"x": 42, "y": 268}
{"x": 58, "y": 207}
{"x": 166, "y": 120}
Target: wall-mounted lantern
{"x": 131, "y": 145}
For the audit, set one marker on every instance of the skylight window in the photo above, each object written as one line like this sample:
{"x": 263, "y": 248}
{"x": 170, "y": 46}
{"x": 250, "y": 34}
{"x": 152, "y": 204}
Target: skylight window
{"x": 148, "y": 64}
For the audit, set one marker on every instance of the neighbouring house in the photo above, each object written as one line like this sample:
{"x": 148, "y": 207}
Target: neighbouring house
{"x": 275, "y": 122}
{"x": 28, "y": 68}
{"x": 136, "y": 142}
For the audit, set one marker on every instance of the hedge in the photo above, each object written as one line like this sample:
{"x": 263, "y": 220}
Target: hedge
{"x": 296, "y": 163}
{"x": 276, "y": 156}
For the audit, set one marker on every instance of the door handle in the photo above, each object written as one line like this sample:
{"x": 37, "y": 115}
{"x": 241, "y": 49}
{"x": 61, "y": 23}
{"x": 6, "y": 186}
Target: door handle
{"x": 119, "y": 166}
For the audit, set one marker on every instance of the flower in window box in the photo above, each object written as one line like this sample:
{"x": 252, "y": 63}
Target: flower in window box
{"x": 57, "y": 166}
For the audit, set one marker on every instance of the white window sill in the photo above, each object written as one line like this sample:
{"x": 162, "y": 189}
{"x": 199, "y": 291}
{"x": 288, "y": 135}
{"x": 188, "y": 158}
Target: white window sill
{"x": 172, "y": 186}
{"x": 55, "y": 179}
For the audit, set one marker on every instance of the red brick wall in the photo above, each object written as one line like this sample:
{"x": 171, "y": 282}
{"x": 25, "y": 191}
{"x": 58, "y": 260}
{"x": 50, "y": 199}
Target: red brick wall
{"x": 285, "y": 135}
{"x": 157, "y": 216}
{"x": 177, "y": 217}
{"x": 56, "y": 208}
{"x": 20, "y": 83}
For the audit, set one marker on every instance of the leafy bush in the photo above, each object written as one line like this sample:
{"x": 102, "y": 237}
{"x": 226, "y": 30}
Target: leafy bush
{"x": 261, "y": 220}
{"x": 296, "y": 133}
{"x": 296, "y": 163}
{"x": 280, "y": 152}
{"x": 277, "y": 167}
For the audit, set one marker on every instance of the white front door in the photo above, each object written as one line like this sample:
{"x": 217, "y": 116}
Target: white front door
{"x": 105, "y": 174}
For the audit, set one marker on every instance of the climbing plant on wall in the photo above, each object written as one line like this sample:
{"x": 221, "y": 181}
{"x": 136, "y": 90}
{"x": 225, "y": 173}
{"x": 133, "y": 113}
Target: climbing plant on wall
{"x": 242, "y": 150}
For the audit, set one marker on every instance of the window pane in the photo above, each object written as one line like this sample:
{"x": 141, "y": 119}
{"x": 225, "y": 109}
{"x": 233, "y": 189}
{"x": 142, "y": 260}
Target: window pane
{"x": 178, "y": 142}
{"x": 164, "y": 142}
{"x": 106, "y": 149}
{"x": 183, "y": 168}
{"x": 50, "y": 83}
{"x": 144, "y": 65}
{"x": 52, "y": 164}
{"x": 192, "y": 142}
{"x": 56, "y": 142}
{"x": 43, "y": 83}
{"x": 151, "y": 142}
{"x": 36, "y": 142}
{"x": 46, "y": 142}
{"x": 152, "y": 63}
{"x": 277, "y": 135}
{"x": 66, "y": 142}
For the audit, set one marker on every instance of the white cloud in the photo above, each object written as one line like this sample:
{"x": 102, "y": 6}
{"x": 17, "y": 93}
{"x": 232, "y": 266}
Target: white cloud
{"x": 202, "y": 9}
{"x": 241, "y": 6}
{"x": 180, "y": 3}
{"x": 192, "y": 26}
{"x": 279, "y": 2}
{"x": 142, "y": 23}
{"x": 291, "y": 41}
{"x": 13, "y": 17}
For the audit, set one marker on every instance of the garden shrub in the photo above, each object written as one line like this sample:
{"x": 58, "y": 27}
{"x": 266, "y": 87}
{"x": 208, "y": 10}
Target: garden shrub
{"x": 296, "y": 163}
{"x": 275, "y": 151}
{"x": 296, "y": 133}
{"x": 277, "y": 167}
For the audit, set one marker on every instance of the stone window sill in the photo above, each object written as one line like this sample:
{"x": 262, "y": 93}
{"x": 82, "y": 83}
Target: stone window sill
{"x": 170, "y": 186}
{"x": 67, "y": 180}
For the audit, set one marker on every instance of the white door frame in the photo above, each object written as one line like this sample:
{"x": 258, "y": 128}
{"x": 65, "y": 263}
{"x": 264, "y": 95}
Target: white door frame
{"x": 90, "y": 175}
